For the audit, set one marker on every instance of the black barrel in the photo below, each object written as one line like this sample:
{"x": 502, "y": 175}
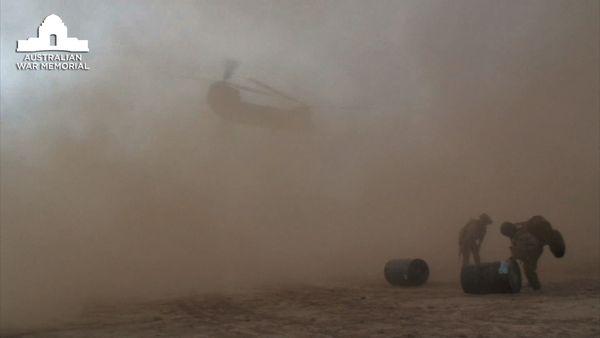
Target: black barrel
{"x": 496, "y": 277}
{"x": 406, "y": 272}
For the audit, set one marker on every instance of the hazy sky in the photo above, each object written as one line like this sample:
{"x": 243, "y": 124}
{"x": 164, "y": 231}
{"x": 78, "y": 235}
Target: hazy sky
{"x": 120, "y": 181}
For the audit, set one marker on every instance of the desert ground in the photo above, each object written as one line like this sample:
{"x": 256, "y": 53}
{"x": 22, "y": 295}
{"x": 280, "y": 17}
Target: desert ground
{"x": 567, "y": 308}
{"x": 238, "y": 168}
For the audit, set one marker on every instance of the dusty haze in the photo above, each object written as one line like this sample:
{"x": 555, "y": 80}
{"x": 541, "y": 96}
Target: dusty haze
{"x": 120, "y": 183}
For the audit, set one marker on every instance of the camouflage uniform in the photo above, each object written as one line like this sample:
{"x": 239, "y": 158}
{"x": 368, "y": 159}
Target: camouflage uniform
{"x": 527, "y": 244}
{"x": 527, "y": 248}
{"x": 470, "y": 238}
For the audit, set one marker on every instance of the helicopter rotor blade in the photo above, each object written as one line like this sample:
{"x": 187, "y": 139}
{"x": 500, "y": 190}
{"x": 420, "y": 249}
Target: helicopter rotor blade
{"x": 275, "y": 91}
{"x": 249, "y": 89}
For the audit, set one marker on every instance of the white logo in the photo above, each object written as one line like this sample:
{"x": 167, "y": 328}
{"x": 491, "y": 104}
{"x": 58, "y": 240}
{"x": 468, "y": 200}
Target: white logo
{"x": 52, "y": 36}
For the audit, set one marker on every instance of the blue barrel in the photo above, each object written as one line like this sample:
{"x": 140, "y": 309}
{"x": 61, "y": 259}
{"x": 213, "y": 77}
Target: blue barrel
{"x": 496, "y": 277}
{"x": 406, "y": 272}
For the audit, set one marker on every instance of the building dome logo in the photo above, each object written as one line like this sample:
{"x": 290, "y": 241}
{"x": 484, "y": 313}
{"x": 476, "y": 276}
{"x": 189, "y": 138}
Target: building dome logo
{"x": 52, "y": 36}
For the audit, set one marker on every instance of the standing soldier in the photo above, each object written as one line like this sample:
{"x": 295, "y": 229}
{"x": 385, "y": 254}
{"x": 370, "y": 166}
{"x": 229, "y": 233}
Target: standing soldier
{"x": 527, "y": 244}
{"x": 471, "y": 236}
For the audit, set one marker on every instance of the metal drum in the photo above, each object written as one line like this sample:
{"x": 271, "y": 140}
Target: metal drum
{"x": 406, "y": 272}
{"x": 496, "y": 277}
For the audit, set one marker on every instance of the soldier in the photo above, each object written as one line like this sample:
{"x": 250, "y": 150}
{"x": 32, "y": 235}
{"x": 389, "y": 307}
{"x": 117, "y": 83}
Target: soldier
{"x": 471, "y": 236}
{"x": 527, "y": 244}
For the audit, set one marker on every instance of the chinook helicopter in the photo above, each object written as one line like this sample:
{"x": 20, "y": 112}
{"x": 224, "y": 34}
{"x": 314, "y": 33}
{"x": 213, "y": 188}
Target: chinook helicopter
{"x": 225, "y": 99}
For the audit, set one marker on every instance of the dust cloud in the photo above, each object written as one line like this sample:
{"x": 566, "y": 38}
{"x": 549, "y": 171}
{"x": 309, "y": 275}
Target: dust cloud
{"x": 122, "y": 182}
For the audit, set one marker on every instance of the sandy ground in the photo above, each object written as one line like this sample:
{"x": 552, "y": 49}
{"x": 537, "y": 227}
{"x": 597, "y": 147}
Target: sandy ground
{"x": 562, "y": 309}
